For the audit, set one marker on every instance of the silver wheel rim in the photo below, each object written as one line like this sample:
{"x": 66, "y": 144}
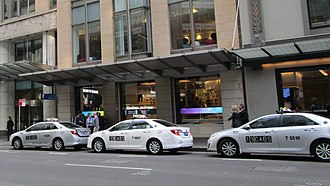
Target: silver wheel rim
{"x": 154, "y": 147}
{"x": 98, "y": 146}
{"x": 322, "y": 150}
{"x": 229, "y": 148}
{"x": 58, "y": 145}
{"x": 17, "y": 144}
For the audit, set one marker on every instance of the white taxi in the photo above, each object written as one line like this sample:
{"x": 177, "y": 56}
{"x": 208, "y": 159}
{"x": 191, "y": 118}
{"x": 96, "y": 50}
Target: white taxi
{"x": 53, "y": 133}
{"x": 287, "y": 133}
{"x": 154, "y": 135}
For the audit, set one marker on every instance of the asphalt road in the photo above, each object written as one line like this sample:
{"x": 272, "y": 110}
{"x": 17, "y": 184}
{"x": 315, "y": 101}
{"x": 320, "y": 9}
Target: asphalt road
{"x": 70, "y": 167}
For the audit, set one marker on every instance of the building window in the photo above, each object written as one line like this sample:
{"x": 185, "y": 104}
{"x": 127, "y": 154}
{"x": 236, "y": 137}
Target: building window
{"x": 192, "y": 23}
{"x": 53, "y": 3}
{"x": 299, "y": 89}
{"x": 14, "y": 8}
{"x": 319, "y": 13}
{"x": 139, "y": 100}
{"x": 132, "y": 28}
{"x": 30, "y": 50}
{"x": 200, "y": 100}
{"x": 86, "y": 34}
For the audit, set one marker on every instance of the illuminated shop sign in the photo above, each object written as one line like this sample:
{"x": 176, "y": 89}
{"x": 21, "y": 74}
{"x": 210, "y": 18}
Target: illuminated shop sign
{"x": 209, "y": 110}
{"x": 90, "y": 91}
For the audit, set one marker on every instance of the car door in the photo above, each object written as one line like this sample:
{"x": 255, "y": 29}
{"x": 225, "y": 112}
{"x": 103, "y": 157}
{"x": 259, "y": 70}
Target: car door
{"x": 138, "y": 134}
{"x": 31, "y": 135}
{"x": 260, "y": 135}
{"x": 117, "y": 136}
{"x": 47, "y": 134}
{"x": 296, "y": 133}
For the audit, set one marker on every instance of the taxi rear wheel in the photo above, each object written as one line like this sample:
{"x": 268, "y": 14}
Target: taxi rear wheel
{"x": 154, "y": 146}
{"x": 98, "y": 145}
{"x": 58, "y": 144}
{"x": 17, "y": 143}
{"x": 321, "y": 150}
{"x": 228, "y": 148}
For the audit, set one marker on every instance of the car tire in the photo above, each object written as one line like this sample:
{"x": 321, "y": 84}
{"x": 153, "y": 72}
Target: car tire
{"x": 154, "y": 146}
{"x": 228, "y": 148}
{"x": 98, "y": 145}
{"x": 58, "y": 144}
{"x": 321, "y": 150}
{"x": 17, "y": 143}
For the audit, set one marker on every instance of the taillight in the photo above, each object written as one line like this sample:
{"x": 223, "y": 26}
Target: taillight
{"x": 176, "y": 132}
{"x": 74, "y": 132}
{"x": 190, "y": 132}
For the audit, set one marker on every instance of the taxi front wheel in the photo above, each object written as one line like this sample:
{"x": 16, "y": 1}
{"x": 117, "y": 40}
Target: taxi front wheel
{"x": 98, "y": 145}
{"x": 228, "y": 148}
{"x": 321, "y": 150}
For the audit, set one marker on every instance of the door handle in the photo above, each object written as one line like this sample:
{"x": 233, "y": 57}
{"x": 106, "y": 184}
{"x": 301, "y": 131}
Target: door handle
{"x": 123, "y": 133}
{"x": 271, "y": 132}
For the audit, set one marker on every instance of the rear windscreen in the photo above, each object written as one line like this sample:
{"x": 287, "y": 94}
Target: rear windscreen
{"x": 166, "y": 123}
{"x": 70, "y": 125}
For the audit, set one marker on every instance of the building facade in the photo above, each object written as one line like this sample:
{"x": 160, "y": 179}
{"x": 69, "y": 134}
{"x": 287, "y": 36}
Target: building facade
{"x": 285, "y": 55}
{"x": 166, "y": 59}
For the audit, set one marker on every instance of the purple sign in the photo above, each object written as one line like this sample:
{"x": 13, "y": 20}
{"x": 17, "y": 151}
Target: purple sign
{"x": 208, "y": 110}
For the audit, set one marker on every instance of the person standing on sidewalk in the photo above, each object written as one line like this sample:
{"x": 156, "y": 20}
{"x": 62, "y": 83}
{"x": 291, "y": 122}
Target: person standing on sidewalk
{"x": 90, "y": 122}
{"x": 96, "y": 122}
{"x": 10, "y": 125}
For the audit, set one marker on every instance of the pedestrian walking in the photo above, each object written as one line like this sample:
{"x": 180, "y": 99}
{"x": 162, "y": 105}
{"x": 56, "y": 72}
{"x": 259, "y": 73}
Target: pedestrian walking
{"x": 236, "y": 122}
{"x": 90, "y": 122}
{"x": 96, "y": 122}
{"x": 243, "y": 115}
{"x": 79, "y": 119}
{"x": 10, "y": 125}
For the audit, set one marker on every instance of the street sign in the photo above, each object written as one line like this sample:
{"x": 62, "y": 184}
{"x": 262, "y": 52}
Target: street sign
{"x": 48, "y": 96}
{"x": 22, "y": 102}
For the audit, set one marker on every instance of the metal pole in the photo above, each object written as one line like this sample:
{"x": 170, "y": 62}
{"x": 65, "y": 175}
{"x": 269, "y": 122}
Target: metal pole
{"x": 19, "y": 117}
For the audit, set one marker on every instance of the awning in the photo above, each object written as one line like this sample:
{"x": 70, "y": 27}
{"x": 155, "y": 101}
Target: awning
{"x": 291, "y": 50}
{"x": 11, "y": 71}
{"x": 176, "y": 65}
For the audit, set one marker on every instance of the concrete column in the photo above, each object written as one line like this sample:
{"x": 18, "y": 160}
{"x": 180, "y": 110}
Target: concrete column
{"x": 161, "y": 35}
{"x": 49, "y": 106}
{"x": 4, "y": 55}
{"x": 165, "y": 98}
{"x": 231, "y": 93}
{"x": 7, "y": 103}
{"x": 107, "y": 31}
{"x": 65, "y": 104}
{"x": 1, "y": 10}
{"x": 111, "y": 102}
{"x": 48, "y": 48}
{"x": 42, "y": 5}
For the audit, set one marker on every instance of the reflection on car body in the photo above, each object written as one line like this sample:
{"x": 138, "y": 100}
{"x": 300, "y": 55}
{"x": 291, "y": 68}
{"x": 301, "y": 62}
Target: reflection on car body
{"x": 52, "y": 133}
{"x": 154, "y": 135}
{"x": 287, "y": 133}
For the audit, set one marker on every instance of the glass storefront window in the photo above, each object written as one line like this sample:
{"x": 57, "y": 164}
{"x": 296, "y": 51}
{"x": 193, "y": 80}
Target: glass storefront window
{"x": 121, "y": 34}
{"x": 92, "y": 100}
{"x": 319, "y": 13}
{"x": 300, "y": 90}
{"x": 192, "y": 23}
{"x": 200, "y": 100}
{"x": 11, "y": 7}
{"x": 94, "y": 41}
{"x": 139, "y": 31}
{"x": 53, "y": 3}
{"x": 139, "y": 100}
{"x": 30, "y": 51}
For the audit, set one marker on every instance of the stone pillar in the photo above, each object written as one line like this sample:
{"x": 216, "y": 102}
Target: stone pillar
{"x": 107, "y": 31}
{"x": 165, "y": 98}
{"x": 2, "y": 10}
{"x": 7, "y": 103}
{"x": 231, "y": 93}
{"x": 49, "y": 106}
{"x": 4, "y": 55}
{"x": 161, "y": 36}
{"x": 48, "y": 48}
{"x": 65, "y": 103}
{"x": 111, "y": 102}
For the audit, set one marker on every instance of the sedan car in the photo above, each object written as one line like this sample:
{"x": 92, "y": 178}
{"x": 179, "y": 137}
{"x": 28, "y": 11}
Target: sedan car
{"x": 287, "y": 133}
{"x": 55, "y": 134}
{"x": 154, "y": 135}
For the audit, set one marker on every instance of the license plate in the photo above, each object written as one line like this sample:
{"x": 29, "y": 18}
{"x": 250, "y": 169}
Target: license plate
{"x": 84, "y": 132}
{"x": 186, "y": 133}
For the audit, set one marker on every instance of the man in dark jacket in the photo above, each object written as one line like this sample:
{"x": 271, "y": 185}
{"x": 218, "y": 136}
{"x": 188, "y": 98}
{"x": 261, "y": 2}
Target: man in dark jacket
{"x": 243, "y": 115}
{"x": 10, "y": 125}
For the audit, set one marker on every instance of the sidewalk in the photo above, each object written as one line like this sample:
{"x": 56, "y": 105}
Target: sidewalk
{"x": 199, "y": 143}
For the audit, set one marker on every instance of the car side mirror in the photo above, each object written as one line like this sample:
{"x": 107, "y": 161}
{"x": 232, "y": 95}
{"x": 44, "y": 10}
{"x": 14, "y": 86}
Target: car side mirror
{"x": 247, "y": 127}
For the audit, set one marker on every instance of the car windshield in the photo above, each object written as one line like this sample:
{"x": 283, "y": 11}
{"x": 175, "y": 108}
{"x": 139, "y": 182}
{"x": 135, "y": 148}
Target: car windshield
{"x": 166, "y": 123}
{"x": 70, "y": 125}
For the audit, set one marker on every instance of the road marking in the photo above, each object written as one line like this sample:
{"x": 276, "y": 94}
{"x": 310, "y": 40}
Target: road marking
{"x": 109, "y": 167}
{"x": 231, "y": 159}
{"x": 132, "y": 156}
{"x": 58, "y": 153}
